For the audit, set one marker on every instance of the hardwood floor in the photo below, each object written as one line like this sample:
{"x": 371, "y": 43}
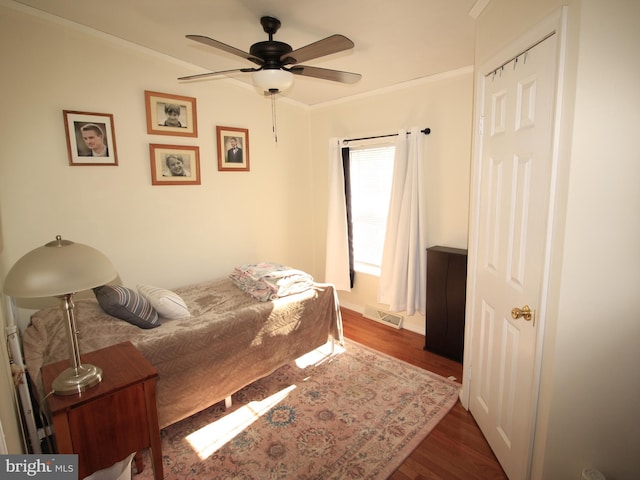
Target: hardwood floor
{"x": 455, "y": 449}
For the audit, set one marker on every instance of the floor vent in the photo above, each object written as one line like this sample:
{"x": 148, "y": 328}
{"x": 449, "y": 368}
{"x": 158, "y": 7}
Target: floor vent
{"x": 392, "y": 319}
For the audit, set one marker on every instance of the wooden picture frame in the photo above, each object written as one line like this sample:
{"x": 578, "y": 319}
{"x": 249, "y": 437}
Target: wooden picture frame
{"x": 232, "y": 140}
{"x": 171, "y": 114}
{"x": 91, "y": 138}
{"x": 174, "y": 164}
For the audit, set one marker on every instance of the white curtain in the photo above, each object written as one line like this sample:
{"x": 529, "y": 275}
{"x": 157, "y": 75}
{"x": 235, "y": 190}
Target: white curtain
{"x": 337, "y": 255}
{"x": 403, "y": 271}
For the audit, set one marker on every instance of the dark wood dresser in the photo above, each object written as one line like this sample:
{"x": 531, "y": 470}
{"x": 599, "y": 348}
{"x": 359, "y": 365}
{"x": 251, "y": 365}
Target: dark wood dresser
{"x": 446, "y": 298}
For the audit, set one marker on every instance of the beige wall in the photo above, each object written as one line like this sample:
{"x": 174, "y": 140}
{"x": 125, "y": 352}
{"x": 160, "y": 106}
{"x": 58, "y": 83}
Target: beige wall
{"x": 598, "y": 321}
{"x": 442, "y": 103}
{"x": 589, "y": 388}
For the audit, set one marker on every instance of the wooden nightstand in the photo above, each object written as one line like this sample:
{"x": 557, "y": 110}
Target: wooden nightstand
{"x": 117, "y": 417}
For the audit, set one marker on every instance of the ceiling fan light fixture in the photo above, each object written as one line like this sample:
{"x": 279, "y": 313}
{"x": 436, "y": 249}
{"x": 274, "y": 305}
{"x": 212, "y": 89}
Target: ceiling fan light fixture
{"x": 273, "y": 79}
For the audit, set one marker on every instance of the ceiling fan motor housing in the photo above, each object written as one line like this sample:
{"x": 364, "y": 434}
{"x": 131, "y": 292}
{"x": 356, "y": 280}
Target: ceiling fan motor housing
{"x": 271, "y": 52}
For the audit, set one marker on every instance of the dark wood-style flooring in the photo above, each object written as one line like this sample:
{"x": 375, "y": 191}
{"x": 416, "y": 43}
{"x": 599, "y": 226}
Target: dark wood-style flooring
{"x": 455, "y": 449}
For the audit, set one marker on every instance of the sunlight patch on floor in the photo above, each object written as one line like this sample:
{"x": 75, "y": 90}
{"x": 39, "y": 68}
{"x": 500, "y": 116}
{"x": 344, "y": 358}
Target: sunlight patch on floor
{"x": 215, "y": 435}
{"x": 212, "y": 437}
{"x": 319, "y": 355}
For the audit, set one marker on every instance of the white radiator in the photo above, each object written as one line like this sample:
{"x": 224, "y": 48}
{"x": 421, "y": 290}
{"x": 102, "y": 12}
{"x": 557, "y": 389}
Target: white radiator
{"x": 25, "y": 408}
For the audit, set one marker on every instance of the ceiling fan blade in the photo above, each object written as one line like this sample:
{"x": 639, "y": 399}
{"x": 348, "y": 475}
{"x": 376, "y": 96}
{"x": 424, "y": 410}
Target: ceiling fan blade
{"x": 326, "y": 74}
{"x": 227, "y": 48}
{"x": 326, "y": 46}
{"x": 222, "y": 72}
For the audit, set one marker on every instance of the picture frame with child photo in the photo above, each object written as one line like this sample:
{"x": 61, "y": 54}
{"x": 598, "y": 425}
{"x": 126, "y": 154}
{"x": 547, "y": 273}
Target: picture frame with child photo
{"x": 174, "y": 164}
{"x": 169, "y": 114}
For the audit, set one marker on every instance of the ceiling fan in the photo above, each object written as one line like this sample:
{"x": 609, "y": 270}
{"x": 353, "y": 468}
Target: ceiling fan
{"x": 277, "y": 62}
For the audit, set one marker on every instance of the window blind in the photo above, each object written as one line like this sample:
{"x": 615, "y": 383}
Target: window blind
{"x": 371, "y": 174}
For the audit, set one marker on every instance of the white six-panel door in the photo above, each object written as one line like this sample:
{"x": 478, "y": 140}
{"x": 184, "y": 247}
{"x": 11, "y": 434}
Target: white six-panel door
{"x": 515, "y": 174}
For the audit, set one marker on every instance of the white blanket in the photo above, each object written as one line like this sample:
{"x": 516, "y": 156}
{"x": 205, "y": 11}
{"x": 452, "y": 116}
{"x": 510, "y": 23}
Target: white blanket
{"x": 268, "y": 281}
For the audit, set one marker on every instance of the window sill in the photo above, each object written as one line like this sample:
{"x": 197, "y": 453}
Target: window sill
{"x": 372, "y": 270}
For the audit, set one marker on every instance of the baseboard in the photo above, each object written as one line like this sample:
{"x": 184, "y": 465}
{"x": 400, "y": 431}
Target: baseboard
{"x": 352, "y": 306}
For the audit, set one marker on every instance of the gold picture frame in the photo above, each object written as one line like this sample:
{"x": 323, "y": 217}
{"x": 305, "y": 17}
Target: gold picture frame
{"x": 171, "y": 114}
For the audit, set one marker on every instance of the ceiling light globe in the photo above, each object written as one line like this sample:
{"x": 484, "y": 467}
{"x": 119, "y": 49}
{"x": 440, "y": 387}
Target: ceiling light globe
{"x": 273, "y": 79}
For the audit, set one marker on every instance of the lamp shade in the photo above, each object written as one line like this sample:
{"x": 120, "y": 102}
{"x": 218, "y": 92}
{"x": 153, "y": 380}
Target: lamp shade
{"x": 273, "y": 79}
{"x": 58, "y": 268}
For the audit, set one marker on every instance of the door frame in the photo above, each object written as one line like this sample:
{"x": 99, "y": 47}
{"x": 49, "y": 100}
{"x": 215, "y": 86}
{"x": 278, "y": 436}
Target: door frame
{"x": 557, "y": 22}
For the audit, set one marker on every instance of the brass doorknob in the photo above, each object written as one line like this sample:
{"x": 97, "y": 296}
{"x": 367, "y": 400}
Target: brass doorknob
{"x": 524, "y": 312}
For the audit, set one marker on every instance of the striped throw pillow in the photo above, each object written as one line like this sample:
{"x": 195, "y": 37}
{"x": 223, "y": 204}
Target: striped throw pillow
{"x": 126, "y": 304}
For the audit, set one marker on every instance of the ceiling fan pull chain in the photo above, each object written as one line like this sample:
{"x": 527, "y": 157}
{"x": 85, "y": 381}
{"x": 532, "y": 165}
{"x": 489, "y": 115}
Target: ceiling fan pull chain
{"x": 273, "y": 116}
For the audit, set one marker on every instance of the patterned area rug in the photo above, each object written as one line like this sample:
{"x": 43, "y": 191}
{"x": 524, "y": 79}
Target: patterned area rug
{"x": 353, "y": 414}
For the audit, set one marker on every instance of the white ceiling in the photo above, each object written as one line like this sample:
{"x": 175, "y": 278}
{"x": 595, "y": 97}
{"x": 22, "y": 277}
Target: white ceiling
{"x": 395, "y": 41}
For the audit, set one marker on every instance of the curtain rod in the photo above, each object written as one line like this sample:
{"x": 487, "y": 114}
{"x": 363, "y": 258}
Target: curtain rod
{"x": 426, "y": 131}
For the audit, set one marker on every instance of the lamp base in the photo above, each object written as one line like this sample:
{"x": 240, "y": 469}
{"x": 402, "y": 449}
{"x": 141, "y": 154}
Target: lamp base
{"x": 76, "y": 380}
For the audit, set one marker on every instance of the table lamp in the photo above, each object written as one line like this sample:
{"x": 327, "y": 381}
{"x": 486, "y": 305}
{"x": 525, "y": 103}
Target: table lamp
{"x": 60, "y": 269}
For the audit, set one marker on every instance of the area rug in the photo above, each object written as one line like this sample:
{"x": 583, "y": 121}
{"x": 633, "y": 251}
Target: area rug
{"x": 351, "y": 414}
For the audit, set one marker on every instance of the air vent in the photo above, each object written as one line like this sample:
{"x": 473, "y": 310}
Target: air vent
{"x": 392, "y": 319}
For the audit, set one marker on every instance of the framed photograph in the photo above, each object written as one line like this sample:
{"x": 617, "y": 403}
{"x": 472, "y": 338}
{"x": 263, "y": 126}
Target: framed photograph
{"x": 91, "y": 138}
{"x": 233, "y": 149}
{"x": 174, "y": 165}
{"x": 171, "y": 114}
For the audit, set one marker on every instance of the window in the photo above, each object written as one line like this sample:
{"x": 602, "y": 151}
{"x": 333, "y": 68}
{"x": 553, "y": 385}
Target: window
{"x": 371, "y": 170}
